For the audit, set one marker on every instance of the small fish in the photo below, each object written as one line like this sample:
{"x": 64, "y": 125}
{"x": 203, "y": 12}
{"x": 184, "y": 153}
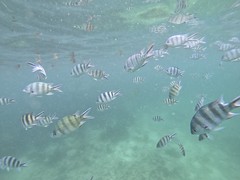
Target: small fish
{"x": 182, "y": 149}
{"x": 169, "y": 101}
{"x": 231, "y": 55}
{"x": 103, "y": 107}
{"x": 211, "y": 115}
{"x": 29, "y": 120}
{"x": 98, "y": 74}
{"x": 180, "y": 18}
{"x": 41, "y": 88}
{"x": 107, "y": 96}
{"x": 199, "y": 103}
{"x": 80, "y": 69}
{"x": 157, "y": 118}
{"x": 197, "y": 56}
{"x": 181, "y": 5}
{"x": 225, "y": 46}
{"x": 174, "y": 72}
{"x": 178, "y": 40}
{"x": 159, "y": 68}
{"x": 6, "y": 101}
{"x": 159, "y": 29}
{"x": 174, "y": 90}
{"x": 137, "y": 61}
{"x": 160, "y": 53}
{"x": 193, "y": 44}
{"x": 165, "y": 140}
{"x": 70, "y": 123}
{"x": 138, "y": 80}
{"x": 10, "y": 162}
{"x": 41, "y": 73}
{"x": 45, "y": 121}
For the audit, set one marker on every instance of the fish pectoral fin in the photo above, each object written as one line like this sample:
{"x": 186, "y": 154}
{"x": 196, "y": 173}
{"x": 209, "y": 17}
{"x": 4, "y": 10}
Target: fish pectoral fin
{"x": 230, "y": 115}
{"x": 49, "y": 94}
{"x": 81, "y": 123}
{"x": 218, "y": 129}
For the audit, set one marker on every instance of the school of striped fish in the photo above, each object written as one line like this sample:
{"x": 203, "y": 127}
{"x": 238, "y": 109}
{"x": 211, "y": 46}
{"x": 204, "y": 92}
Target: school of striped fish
{"x": 206, "y": 118}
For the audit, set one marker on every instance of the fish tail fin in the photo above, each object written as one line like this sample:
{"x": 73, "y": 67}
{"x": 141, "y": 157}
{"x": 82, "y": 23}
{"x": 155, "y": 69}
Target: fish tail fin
{"x": 39, "y": 114}
{"x": 235, "y": 103}
{"x": 84, "y": 115}
{"x": 57, "y": 88}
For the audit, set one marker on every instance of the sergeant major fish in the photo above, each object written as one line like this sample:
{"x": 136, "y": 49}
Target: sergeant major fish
{"x": 107, "y": 96}
{"x": 29, "y": 119}
{"x": 138, "y": 60}
{"x": 41, "y": 88}
{"x": 70, "y": 123}
{"x": 210, "y": 116}
{"x": 10, "y": 162}
{"x": 165, "y": 140}
{"x": 80, "y": 69}
{"x": 6, "y": 101}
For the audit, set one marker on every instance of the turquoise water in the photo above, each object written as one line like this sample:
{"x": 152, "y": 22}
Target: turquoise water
{"x": 119, "y": 143}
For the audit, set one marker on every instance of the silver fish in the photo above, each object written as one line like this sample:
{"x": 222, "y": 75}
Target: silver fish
{"x": 45, "y": 121}
{"x": 178, "y": 40}
{"x": 29, "y": 120}
{"x": 103, "y": 107}
{"x": 80, "y": 69}
{"x": 138, "y": 80}
{"x": 182, "y": 149}
{"x": 10, "y": 162}
{"x": 41, "y": 88}
{"x": 165, "y": 140}
{"x": 174, "y": 71}
{"x": 169, "y": 101}
{"x": 174, "y": 89}
{"x": 6, "y": 101}
{"x": 136, "y": 61}
{"x": 231, "y": 55}
{"x": 211, "y": 115}
{"x": 157, "y": 118}
{"x": 41, "y": 73}
{"x": 180, "y": 18}
{"x": 160, "y": 53}
{"x": 98, "y": 74}
{"x": 107, "y": 96}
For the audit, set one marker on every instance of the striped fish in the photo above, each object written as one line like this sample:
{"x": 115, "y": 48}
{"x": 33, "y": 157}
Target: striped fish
{"x": 70, "y": 123}
{"x": 107, "y": 96}
{"x": 182, "y": 149}
{"x": 199, "y": 103}
{"x": 181, "y": 5}
{"x": 178, "y": 40}
{"x": 138, "y": 80}
{"x": 10, "y": 162}
{"x": 180, "y": 18}
{"x": 169, "y": 101}
{"x": 103, "y": 107}
{"x": 159, "y": 53}
{"x": 6, "y": 101}
{"x": 193, "y": 44}
{"x": 197, "y": 56}
{"x": 45, "y": 121}
{"x": 41, "y": 73}
{"x": 174, "y": 90}
{"x": 165, "y": 140}
{"x": 174, "y": 72}
{"x": 137, "y": 61}
{"x": 157, "y": 118}
{"x": 29, "y": 119}
{"x": 41, "y": 88}
{"x": 231, "y": 55}
{"x": 98, "y": 74}
{"x": 80, "y": 69}
{"x": 211, "y": 115}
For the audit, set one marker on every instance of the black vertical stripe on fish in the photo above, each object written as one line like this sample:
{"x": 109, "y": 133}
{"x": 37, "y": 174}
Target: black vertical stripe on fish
{"x": 206, "y": 116}
{"x": 165, "y": 140}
